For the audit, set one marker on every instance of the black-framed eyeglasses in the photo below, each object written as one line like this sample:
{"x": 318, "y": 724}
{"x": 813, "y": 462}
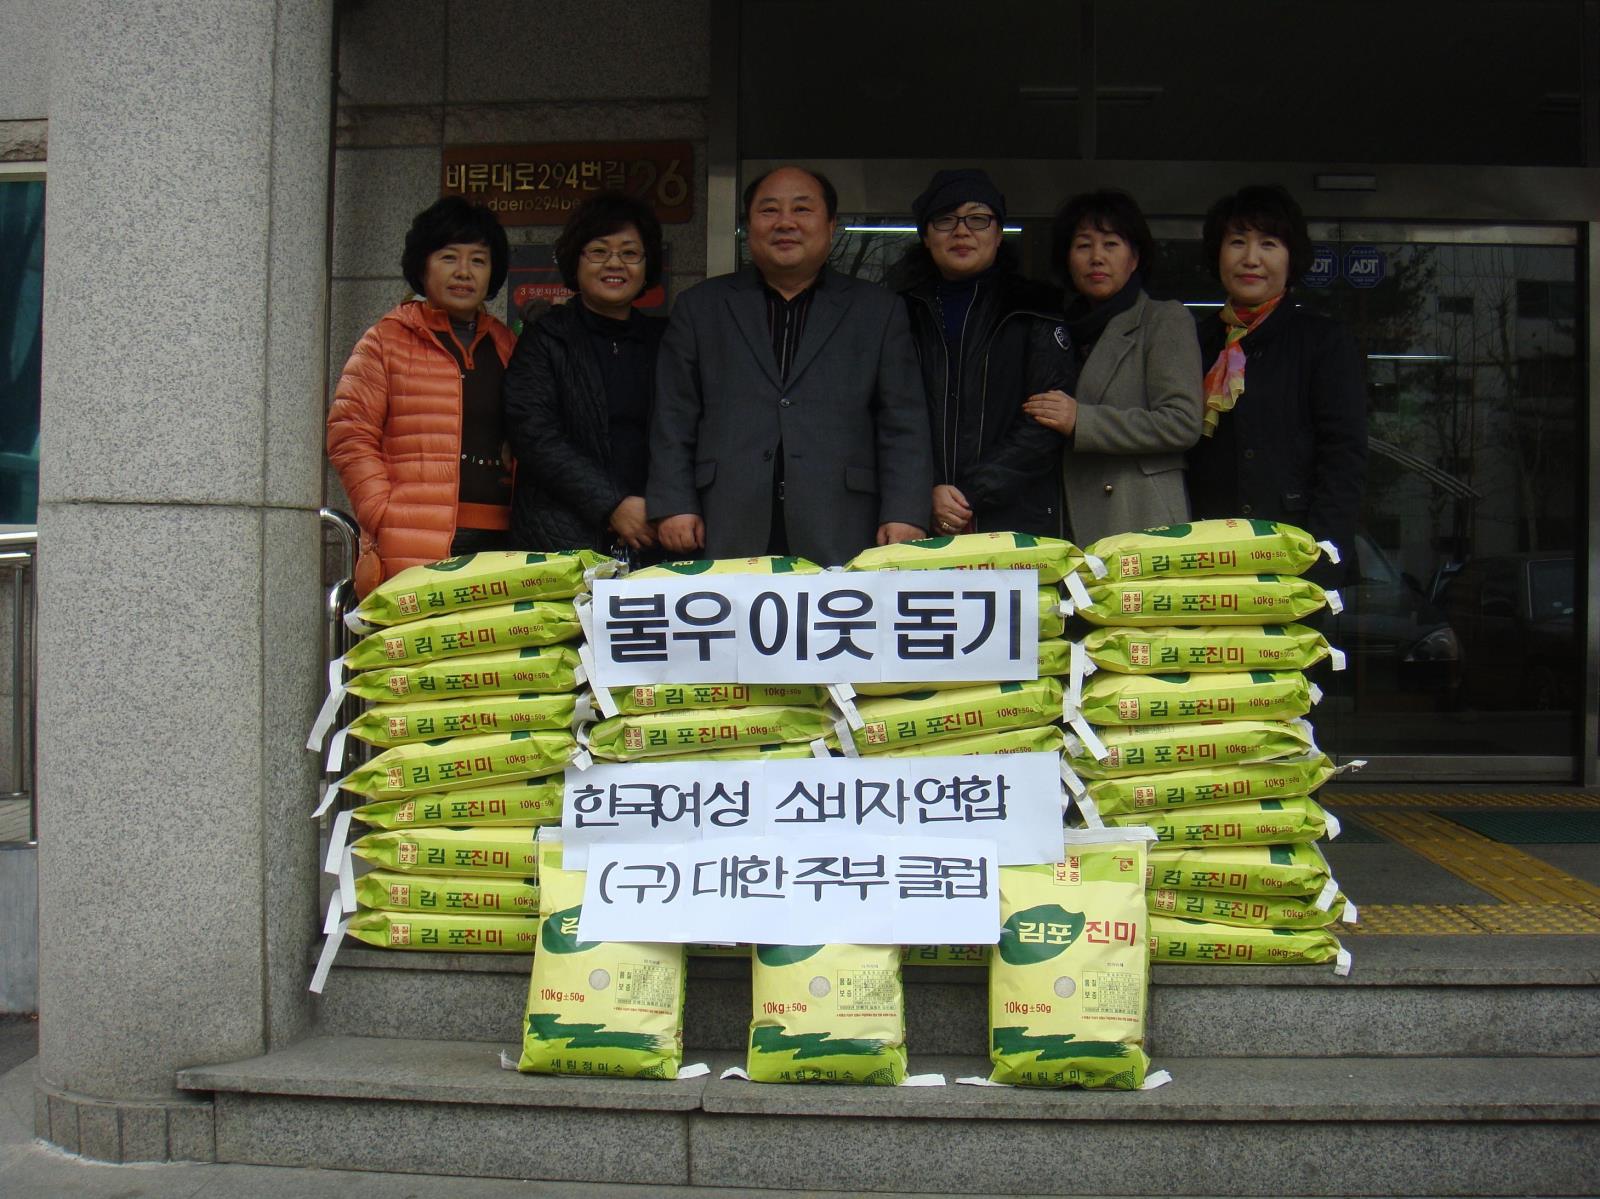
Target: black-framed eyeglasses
{"x": 975, "y": 221}
{"x": 600, "y": 255}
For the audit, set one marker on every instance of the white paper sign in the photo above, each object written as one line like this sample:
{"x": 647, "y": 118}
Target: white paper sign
{"x": 1013, "y": 800}
{"x": 774, "y": 891}
{"x": 836, "y": 627}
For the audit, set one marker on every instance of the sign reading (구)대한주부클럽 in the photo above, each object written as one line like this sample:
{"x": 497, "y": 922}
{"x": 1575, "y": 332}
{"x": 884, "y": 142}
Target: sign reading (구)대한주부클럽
{"x": 1012, "y": 800}
{"x": 891, "y": 626}
{"x": 774, "y": 891}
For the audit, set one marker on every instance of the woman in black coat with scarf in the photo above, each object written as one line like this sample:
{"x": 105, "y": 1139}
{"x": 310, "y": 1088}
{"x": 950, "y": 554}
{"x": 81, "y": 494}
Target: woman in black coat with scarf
{"x": 1285, "y": 434}
{"x": 579, "y": 387}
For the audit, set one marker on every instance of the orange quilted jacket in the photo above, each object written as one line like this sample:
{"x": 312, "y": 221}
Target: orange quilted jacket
{"x": 394, "y": 436}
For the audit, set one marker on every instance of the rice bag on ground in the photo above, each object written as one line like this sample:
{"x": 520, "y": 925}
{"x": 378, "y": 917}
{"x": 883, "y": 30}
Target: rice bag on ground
{"x": 1198, "y": 942}
{"x": 765, "y": 565}
{"x": 1133, "y": 750}
{"x": 391, "y": 891}
{"x": 1137, "y": 794}
{"x": 827, "y": 1013}
{"x": 469, "y": 632}
{"x": 461, "y": 851}
{"x": 527, "y": 803}
{"x": 924, "y": 717}
{"x": 426, "y": 720}
{"x": 652, "y": 734}
{"x": 598, "y": 1007}
{"x": 1208, "y": 547}
{"x": 1255, "y": 911}
{"x": 1052, "y": 557}
{"x": 1163, "y": 648}
{"x": 453, "y": 763}
{"x": 446, "y": 933}
{"x": 1069, "y": 979}
{"x": 663, "y": 697}
{"x": 1217, "y": 600}
{"x": 481, "y": 580}
{"x": 1249, "y": 822}
{"x": 1123, "y": 699}
{"x": 541, "y": 668}
{"x": 1298, "y": 870}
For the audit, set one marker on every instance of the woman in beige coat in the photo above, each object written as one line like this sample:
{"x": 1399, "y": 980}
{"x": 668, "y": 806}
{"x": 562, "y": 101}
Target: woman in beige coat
{"x": 1139, "y": 401}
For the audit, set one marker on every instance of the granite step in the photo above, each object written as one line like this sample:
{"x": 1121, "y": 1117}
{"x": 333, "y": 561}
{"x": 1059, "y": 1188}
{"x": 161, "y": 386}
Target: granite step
{"x": 1440, "y": 996}
{"x": 1264, "y": 1125}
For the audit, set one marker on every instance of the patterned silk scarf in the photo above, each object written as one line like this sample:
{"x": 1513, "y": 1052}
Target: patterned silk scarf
{"x": 1225, "y": 379}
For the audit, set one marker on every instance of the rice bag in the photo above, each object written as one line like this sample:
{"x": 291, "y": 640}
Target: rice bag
{"x": 452, "y": 932}
{"x": 597, "y": 1007}
{"x": 1166, "y": 648}
{"x": 1255, "y": 911}
{"x": 1069, "y": 979}
{"x": 1123, "y": 699}
{"x": 473, "y": 631}
{"x": 662, "y": 697}
{"x": 1039, "y": 739}
{"x": 452, "y": 763}
{"x": 1055, "y": 658}
{"x": 1136, "y": 794}
{"x": 1198, "y": 942}
{"x": 1248, "y": 822}
{"x": 481, "y": 580}
{"x": 1208, "y": 547}
{"x": 629, "y": 738}
{"x": 541, "y": 668}
{"x": 426, "y": 720}
{"x": 1133, "y": 750}
{"x": 391, "y": 891}
{"x": 526, "y": 803}
{"x": 924, "y": 717}
{"x": 765, "y": 565}
{"x": 1214, "y": 600}
{"x": 1298, "y": 870}
{"x": 476, "y": 851}
{"x": 944, "y": 955}
{"x": 741, "y": 753}
{"x": 827, "y": 1013}
{"x": 1052, "y": 557}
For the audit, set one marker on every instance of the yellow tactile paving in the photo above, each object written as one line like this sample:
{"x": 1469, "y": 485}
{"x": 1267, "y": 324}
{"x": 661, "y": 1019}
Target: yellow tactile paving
{"x": 1483, "y": 919}
{"x": 1408, "y": 919}
{"x": 1341, "y": 798}
{"x": 1501, "y": 870}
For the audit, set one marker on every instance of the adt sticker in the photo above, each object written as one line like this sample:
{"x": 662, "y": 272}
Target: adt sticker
{"x": 1324, "y": 267}
{"x": 1364, "y": 266}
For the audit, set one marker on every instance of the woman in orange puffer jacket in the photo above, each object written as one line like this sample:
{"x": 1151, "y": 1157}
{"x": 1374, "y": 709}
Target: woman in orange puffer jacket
{"x": 417, "y": 427}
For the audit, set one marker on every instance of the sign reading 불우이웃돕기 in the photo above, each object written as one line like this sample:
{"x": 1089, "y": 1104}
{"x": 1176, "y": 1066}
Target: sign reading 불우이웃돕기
{"x": 889, "y": 626}
{"x": 777, "y": 891}
{"x": 1011, "y": 800}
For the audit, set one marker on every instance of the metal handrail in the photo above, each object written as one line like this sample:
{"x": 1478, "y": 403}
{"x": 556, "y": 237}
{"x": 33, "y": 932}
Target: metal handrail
{"x": 341, "y": 596}
{"x": 19, "y": 553}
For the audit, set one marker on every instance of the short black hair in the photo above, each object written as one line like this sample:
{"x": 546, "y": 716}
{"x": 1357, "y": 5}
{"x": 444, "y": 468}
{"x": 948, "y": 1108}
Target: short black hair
{"x": 448, "y": 221}
{"x": 1267, "y": 208}
{"x": 830, "y": 194}
{"x": 601, "y": 215}
{"x": 1109, "y": 210}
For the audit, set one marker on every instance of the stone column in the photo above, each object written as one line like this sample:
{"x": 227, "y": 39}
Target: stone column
{"x": 179, "y": 611}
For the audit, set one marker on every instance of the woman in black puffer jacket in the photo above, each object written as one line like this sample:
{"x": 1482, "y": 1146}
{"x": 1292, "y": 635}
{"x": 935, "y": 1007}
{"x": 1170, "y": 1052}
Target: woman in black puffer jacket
{"x": 987, "y": 339}
{"x": 579, "y": 387}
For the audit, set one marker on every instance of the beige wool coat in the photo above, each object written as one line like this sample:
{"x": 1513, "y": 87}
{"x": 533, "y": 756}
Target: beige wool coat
{"x": 1140, "y": 403}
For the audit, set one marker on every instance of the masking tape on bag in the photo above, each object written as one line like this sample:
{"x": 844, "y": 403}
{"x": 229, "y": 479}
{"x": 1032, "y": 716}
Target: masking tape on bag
{"x": 1330, "y": 549}
{"x": 330, "y": 949}
{"x": 329, "y": 711}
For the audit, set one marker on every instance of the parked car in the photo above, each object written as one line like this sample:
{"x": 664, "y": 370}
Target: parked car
{"x": 1397, "y": 640}
{"x": 1514, "y": 616}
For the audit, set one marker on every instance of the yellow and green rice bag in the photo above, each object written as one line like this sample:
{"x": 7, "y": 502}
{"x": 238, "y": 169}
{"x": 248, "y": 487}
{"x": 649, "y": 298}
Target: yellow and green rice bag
{"x": 481, "y": 581}
{"x": 1167, "y": 648}
{"x": 1298, "y": 870}
{"x": 1055, "y": 658}
{"x": 1135, "y": 750}
{"x": 1123, "y": 699}
{"x": 765, "y": 565}
{"x": 1254, "y": 911}
{"x": 426, "y": 720}
{"x": 495, "y": 850}
{"x": 1215, "y": 600}
{"x": 924, "y": 717}
{"x": 527, "y": 803}
{"x": 1039, "y": 739}
{"x": 944, "y": 955}
{"x": 452, "y": 763}
{"x": 663, "y": 697}
{"x": 453, "y": 932}
{"x": 1208, "y": 547}
{"x": 598, "y": 1007}
{"x": 1251, "y": 822}
{"x": 390, "y": 891}
{"x": 1139, "y": 794}
{"x": 473, "y": 631}
{"x": 741, "y": 753}
{"x": 541, "y": 668}
{"x": 1198, "y": 942}
{"x": 827, "y": 1013}
{"x": 1069, "y": 979}
{"x": 1052, "y": 557}
{"x": 629, "y": 738}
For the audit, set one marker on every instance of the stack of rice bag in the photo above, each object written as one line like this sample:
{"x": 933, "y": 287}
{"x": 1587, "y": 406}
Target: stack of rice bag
{"x": 1192, "y": 723}
{"x": 474, "y": 684}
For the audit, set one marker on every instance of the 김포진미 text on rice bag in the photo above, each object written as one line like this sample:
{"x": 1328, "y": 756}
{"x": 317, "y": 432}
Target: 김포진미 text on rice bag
{"x": 667, "y": 697}
{"x": 527, "y": 803}
{"x": 1122, "y": 699}
{"x": 1247, "y": 822}
{"x": 1051, "y": 557}
{"x": 682, "y": 731}
{"x": 1036, "y": 739}
{"x": 1198, "y": 942}
{"x": 446, "y": 932}
{"x": 1162, "y": 649}
{"x": 491, "y": 850}
{"x": 481, "y": 580}
{"x": 1226, "y": 546}
{"x": 925, "y": 717}
{"x": 1232, "y": 783}
{"x": 387, "y": 725}
{"x": 454, "y": 763}
{"x": 827, "y": 1013}
{"x": 466, "y": 633}
{"x": 1255, "y": 911}
{"x": 1298, "y": 870}
{"x": 540, "y": 668}
{"x": 1212, "y": 600}
{"x": 394, "y": 891}
{"x": 1147, "y": 749}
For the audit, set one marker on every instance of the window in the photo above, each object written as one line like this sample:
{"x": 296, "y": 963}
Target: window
{"x": 21, "y": 317}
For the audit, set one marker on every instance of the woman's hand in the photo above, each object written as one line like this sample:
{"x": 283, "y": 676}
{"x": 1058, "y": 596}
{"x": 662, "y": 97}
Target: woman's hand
{"x": 951, "y": 512}
{"x": 682, "y": 534}
{"x": 629, "y": 523}
{"x": 1054, "y": 410}
{"x": 894, "y": 532}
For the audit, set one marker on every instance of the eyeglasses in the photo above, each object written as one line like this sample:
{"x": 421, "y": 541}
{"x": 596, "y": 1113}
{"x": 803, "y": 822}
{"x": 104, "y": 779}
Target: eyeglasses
{"x": 976, "y": 221}
{"x": 600, "y": 255}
